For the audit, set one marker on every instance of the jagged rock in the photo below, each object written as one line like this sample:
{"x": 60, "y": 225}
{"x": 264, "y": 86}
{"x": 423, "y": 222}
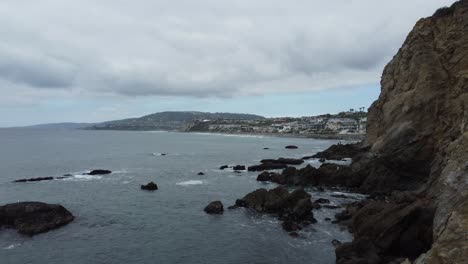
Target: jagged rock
{"x": 294, "y": 209}
{"x": 35, "y": 179}
{"x": 264, "y": 176}
{"x": 239, "y": 168}
{"x": 31, "y": 218}
{"x": 150, "y": 186}
{"x": 267, "y": 166}
{"x": 283, "y": 161}
{"x": 99, "y": 172}
{"x": 339, "y": 152}
{"x": 417, "y": 140}
{"x": 215, "y": 207}
{"x": 291, "y": 147}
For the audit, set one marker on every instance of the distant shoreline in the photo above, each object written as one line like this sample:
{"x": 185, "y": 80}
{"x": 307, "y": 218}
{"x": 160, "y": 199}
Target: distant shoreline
{"x": 350, "y": 137}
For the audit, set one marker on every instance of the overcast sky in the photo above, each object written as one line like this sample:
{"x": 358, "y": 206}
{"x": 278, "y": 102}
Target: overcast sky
{"x": 95, "y": 60}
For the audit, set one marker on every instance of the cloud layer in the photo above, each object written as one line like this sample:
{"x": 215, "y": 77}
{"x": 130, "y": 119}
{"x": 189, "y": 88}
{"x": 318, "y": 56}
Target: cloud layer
{"x": 199, "y": 48}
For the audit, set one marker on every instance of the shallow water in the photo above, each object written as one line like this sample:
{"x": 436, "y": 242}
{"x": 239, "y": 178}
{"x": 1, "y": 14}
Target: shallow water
{"x": 116, "y": 222}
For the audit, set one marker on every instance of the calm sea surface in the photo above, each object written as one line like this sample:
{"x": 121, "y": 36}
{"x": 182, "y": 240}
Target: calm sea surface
{"x": 116, "y": 222}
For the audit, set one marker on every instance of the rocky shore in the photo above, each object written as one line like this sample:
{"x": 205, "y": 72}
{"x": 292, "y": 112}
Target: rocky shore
{"x": 413, "y": 160}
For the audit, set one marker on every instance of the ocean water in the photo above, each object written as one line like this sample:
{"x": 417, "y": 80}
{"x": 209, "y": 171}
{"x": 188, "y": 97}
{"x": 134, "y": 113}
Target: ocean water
{"x": 116, "y": 222}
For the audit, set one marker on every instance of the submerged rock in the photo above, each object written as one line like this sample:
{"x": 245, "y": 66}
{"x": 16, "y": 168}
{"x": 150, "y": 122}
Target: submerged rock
{"x": 291, "y": 147}
{"x": 32, "y": 218}
{"x": 239, "y": 168}
{"x": 223, "y": 167}
{"x": 35, "y": 179}
{"x": 99, "y": 172}
{"x": 200, "y": 173}
{"x": 150, "y": 186}
{"x": 215, "y": 207}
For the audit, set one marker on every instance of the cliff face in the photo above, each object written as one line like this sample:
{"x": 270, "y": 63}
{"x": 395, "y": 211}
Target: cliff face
{"x": 418, "y": 140}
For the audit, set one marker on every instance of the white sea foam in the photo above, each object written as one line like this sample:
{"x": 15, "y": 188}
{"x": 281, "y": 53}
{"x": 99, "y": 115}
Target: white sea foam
{"x": 231, "y": 135}
{"x": 12, "y": 246}
{"x": 79, "y": 177}
{"x": 191, "y": 182}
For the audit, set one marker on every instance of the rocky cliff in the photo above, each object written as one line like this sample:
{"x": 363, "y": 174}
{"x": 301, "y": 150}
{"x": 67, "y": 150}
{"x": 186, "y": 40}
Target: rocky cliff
{"x": 415, "y": 155}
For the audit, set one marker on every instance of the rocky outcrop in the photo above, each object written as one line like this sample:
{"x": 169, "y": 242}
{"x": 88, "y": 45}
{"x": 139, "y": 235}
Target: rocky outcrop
{"x": 99, "y": 172}
{"x": 294, "y": 209}
{"x": 239, "y": 168}
{"x": 149, "y": 187}
{"x": 338, "y": 152}
{"x": 283, "y": 161}
{"x": 267, "y": 166}
{"x": 215, "y": 207}
{"x": 32, "y": 218}
{"x": 417, "y": 142}
{"x": 327, "y": 174}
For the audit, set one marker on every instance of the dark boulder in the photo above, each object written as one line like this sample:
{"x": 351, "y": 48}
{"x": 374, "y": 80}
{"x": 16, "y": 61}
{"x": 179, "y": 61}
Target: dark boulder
{"x": 35, "y": 179}
{"x": 266, "y": 148}
{"x": 200, "y": 173}
{"x": 267, "y": 166}
{"x": 322, "y": 201}
{"x": 215, "y": 207}
{"x": 290, "y": 226}
{"x": 99, "y": 172}
{"x": 223, "y": 167}
{"x": 239, "y": 168}
{"x": 291, "y": 147}
{"x": 31, "y": 218}
{"x": 150, "y": 186}
{"x": 264, "y": 176}
{"x": 294, "y": 209}
{"x": 283, "y": 161}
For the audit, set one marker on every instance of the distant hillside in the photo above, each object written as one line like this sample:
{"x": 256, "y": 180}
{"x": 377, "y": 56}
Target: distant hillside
{"x": 168, "y": 121}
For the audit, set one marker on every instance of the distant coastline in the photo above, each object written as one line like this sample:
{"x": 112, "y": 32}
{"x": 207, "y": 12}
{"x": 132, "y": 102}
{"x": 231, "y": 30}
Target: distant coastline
{"x": 347, "y": 137}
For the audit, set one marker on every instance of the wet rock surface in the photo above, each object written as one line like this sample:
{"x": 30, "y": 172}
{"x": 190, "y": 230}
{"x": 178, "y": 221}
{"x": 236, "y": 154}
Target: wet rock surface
{"x": 267, "y": 166}
{"x": 149, "y": 187}
{"x": 294, "y": 209}
{"x": 283, "y": 161}
{"x": 32, "y": 218}
{"x": 35, "y": 179}
{"x": 215, "y": 207}
{"x": 99, "y": 172}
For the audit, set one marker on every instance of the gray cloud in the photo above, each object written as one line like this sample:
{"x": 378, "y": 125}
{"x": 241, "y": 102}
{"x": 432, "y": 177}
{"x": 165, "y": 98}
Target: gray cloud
{"x": 199, "y": 48}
